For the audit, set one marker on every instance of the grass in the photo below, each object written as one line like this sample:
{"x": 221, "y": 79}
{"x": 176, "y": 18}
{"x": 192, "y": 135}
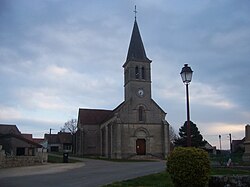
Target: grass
{"x": 229, "y": 171}
{"x": 163, "y": 179}
{"x": 155, "y": 180}
{"x": 56, "y": 159}
{"x": 222, "y": 159}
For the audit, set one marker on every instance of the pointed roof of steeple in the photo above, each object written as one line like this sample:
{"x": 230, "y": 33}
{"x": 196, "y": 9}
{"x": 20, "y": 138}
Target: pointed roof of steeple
{"x": 136, "y": 51}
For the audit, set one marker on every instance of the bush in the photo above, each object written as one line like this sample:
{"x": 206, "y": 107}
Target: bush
{"x": 189, "y": 167}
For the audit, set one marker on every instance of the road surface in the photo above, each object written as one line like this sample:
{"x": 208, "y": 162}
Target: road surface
{"x": 90, "y": 173}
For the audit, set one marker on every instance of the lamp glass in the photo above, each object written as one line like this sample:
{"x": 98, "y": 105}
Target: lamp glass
{"x": 186, "y": 74}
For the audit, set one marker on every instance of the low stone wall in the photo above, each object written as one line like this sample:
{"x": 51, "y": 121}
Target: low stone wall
{"x": 229, "y": 181}
{"x": 18, "y": 161}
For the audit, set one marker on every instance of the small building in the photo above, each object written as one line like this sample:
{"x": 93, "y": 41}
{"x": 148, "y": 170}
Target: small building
{"x": 209, "y": 148}
{"x": 17, "y": 149}
{"x": 60, "y": 142}
{"x": 16, "y": 144}
{"x": 238, "y": 145}
{"x": 246, "y": 155}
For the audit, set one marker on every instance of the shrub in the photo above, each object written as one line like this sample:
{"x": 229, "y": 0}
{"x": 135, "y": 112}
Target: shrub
{"x": 188, "y": 167}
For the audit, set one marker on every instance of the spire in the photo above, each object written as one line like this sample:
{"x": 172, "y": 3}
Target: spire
{"x": 136, "y": 49}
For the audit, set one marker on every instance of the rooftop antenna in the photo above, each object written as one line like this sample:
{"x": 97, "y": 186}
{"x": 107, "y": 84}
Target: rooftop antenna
{"x": 135, "y": 11}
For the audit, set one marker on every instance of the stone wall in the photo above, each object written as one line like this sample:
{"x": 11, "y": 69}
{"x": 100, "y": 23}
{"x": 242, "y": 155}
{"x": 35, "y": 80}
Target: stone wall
{"x": 229, "y": 181}
{"x": 17, "y": 161}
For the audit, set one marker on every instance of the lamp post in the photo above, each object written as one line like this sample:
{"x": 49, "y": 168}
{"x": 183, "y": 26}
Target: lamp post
{"x": 186, "y": 75}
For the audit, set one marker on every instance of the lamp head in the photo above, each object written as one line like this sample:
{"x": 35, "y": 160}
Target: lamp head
{"x": 186, "y": 74}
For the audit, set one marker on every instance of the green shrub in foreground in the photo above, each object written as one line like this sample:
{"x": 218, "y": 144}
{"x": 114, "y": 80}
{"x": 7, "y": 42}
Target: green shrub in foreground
{"x": 188, "y": 167}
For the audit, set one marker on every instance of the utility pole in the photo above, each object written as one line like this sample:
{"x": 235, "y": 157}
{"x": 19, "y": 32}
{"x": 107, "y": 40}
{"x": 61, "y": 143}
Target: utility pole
{"x": 230, "y": 142}
{"x": 50, "y": 130}
{"x": 220, "y": 141}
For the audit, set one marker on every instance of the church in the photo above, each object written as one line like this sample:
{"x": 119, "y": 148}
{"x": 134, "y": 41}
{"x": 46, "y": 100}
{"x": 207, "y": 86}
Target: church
{"x": 134, "y": 129}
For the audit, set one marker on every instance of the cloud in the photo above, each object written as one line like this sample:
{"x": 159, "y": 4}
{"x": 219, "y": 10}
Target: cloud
{"x": 56, "y": 71}
{"x": 40, "y": 99}
{"x": 207, "y": 95}
{"x": 233, "y": 39}
{"x": 220, "y": 127}
{"x": 9, "y": 113}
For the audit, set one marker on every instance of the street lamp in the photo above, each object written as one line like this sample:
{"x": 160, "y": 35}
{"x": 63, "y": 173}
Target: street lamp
{"x": 186, "y": 75}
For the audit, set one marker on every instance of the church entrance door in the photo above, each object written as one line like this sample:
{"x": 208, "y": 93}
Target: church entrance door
{"x": 140, "y": 146}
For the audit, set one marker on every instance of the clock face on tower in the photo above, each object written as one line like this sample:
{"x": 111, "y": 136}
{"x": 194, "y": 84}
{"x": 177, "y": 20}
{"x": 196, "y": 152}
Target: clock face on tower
{"x": 140, "y": 92}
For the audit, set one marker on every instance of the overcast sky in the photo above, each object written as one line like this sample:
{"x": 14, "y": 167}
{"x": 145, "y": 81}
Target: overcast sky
{"x": 57, "y": 56}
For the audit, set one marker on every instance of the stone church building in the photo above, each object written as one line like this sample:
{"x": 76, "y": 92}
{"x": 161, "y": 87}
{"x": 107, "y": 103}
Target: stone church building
{"x": 135, "y": 128}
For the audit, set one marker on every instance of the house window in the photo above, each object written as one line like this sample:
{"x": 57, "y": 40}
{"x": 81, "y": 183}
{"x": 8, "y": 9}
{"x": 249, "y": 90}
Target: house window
{"x": 20, "y": 151}
{"x": 137, "y": 72}
{"x": 141, "y": 114}
{"x": 67, "y": 147}
{"x": 143, "y": 73}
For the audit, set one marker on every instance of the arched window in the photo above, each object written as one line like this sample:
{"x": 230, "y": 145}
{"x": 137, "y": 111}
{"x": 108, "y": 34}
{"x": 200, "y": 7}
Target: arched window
{"x": 137, "y": 72}
{"x": 143, "y": 73}
{"x": 141, "y": 113}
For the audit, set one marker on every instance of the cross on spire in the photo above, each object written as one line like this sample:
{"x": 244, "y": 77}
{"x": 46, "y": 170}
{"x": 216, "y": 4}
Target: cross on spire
{"x": 135, "y": 11}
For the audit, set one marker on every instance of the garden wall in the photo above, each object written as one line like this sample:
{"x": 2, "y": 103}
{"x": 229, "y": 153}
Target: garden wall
{"x": 229, "y": 181}
{"x": 17, "y": 161}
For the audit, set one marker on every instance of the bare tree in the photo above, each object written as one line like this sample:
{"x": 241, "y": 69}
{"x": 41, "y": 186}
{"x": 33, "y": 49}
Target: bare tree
{"x": 172, "y": 134}
{"x": 70, "y": 126}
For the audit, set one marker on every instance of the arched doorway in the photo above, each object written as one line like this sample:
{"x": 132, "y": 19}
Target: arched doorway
{"x": 140, "y": 146}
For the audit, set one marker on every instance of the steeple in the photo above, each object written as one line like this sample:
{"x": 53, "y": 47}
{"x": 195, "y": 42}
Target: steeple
{"x": 137, "y": 72}
{"x": 136, "y": 51}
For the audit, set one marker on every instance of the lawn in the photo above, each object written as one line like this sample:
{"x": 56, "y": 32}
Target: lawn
{"x": 229, "y": 171}
{"x": 57, "y": 159}
{"x": 156, "y": 180}
{"x": 163, "y": 179}
{"x": 222, "y": 159}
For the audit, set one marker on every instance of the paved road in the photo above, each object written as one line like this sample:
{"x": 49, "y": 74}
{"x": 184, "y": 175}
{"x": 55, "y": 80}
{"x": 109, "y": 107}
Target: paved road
{"x": 90, "y": 173}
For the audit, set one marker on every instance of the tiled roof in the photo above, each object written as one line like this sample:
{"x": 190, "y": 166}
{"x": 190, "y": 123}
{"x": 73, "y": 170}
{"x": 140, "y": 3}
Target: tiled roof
{"x": 27, "y": 136}
{"x": 93, "y": 116}
{"x": 38, "y": 140}
{"x": 52, "y": 138}
{"x": 20, "y": 137}
{"x": 65, "y": 137}
{"x": 9, "y": 129}
{"x": 60, "y": 138}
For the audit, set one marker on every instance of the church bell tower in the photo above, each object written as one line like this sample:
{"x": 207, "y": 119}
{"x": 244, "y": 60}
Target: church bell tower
{"x": 137, "y": 73}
